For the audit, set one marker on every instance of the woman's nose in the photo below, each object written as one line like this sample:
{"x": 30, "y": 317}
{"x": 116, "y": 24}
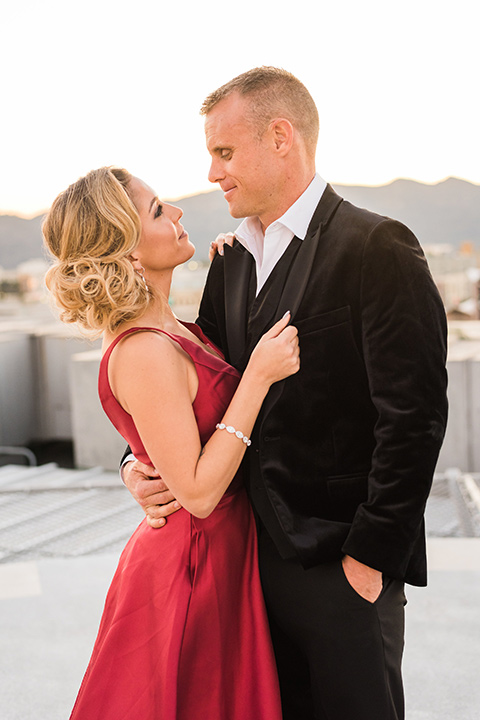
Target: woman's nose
{"x": 175, "y": 212}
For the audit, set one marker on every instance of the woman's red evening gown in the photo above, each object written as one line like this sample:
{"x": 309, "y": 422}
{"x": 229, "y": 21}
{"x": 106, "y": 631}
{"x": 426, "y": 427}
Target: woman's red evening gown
{"x": 184, "y": 633}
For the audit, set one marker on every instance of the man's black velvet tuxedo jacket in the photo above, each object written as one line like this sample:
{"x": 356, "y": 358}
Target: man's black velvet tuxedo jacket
{"x": 343, "y": 452}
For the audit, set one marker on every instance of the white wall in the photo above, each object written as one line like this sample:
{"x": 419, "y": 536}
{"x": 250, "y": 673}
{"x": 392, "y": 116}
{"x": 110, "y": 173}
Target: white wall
{"x": 461, "y": 447}
{"x": 17, "y": 398}
{"x": 53, "y": 349}
{"x": 35, "y": 401}
{"x": 95, "y": 440}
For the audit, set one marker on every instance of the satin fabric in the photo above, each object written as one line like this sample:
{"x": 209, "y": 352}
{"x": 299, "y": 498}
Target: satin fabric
{"x": 184, "y": 632}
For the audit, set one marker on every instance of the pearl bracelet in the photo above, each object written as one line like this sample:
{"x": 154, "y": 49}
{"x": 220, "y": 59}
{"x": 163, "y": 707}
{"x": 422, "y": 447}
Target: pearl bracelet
{"x": 232, "y": 431}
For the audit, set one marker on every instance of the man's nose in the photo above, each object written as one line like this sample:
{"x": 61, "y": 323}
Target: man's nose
{"x": 215, "y": 174}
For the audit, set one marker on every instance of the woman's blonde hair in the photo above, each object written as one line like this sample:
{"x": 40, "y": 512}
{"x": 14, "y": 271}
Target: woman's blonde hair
{"x": 91, "y": 230}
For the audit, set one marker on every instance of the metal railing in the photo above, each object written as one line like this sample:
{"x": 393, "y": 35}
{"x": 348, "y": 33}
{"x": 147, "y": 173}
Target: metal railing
{"x": 14, "y": 451}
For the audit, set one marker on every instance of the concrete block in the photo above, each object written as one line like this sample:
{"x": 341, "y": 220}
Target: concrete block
{"x": 95, "y": 440}
{"x": 53, "y": 349}
{"x": 474, "y": 414}
{"x": 456, "y": 450}
{"x": 17, "y": 396}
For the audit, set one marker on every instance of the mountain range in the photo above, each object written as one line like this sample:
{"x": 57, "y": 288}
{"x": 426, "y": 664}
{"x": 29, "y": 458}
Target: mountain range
{"x": 445, "y": 213}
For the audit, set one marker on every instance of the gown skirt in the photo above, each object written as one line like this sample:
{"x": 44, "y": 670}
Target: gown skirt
{"x": 184, "y": 633}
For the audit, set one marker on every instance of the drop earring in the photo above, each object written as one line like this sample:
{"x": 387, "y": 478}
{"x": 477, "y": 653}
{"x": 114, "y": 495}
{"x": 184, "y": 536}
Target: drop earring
{"x": 141, "y": 272}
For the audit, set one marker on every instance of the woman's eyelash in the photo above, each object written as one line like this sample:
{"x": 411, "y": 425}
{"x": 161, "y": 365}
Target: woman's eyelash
{"x": 158, "y": 211}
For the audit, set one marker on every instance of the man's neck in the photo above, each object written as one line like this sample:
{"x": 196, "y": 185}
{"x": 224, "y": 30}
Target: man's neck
{"x": 292, "y": 197}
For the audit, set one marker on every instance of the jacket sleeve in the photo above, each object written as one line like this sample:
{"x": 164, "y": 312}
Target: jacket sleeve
{"x": 404, "y": 346}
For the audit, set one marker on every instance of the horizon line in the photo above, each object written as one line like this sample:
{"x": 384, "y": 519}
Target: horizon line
{"x": 36, "y": 213}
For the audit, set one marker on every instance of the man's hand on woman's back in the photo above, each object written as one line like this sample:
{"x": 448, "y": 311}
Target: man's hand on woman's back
{"x": 151, "y": 493}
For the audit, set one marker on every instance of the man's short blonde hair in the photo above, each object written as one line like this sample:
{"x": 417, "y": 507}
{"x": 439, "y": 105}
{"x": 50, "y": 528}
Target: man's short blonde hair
{"x": 272, "y": 93}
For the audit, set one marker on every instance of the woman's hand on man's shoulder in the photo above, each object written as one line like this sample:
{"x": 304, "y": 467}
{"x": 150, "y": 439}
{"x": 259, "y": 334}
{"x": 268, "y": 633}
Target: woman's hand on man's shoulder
{"x": 217, "y": 244}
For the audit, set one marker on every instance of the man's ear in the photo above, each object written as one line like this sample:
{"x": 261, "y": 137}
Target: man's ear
{"x": 282, "y": 134}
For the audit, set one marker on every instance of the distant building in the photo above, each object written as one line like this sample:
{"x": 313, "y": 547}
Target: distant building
{"x": 456, "y": 274}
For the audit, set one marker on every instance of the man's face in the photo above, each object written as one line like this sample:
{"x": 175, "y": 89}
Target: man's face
{"x": 243, "y": 164}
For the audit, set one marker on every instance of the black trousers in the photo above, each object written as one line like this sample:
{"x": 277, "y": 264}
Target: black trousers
{"x": 338, "y": 656}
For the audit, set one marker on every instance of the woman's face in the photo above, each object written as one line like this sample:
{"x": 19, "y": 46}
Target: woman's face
{"x": 164, "y": 244}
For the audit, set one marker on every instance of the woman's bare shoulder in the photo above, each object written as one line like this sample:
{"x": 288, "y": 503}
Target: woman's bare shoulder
{"x": 148, "y": 365}
{"x": 147, "y": 348}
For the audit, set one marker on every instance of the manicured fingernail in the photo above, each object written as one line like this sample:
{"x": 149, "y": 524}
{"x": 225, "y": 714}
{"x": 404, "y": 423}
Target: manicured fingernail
{"x": 176, "y": 504}
{"x": 287, "y": 313}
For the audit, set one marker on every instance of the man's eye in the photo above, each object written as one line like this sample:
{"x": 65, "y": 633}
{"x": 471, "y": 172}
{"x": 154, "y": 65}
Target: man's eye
{"x": 226, "y": 154}
{"x": 158, "y": 211}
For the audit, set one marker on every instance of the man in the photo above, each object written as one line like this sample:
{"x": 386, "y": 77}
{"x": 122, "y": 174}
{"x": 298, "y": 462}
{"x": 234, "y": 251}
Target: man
{"x": 343, "y": 453}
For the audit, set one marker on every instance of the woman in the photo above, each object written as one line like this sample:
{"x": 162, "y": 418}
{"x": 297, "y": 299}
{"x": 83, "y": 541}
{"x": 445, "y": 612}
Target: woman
{"x": 184, "y": 632}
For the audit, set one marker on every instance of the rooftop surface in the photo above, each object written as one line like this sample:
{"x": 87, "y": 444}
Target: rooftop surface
{"x": 61, "y": 532}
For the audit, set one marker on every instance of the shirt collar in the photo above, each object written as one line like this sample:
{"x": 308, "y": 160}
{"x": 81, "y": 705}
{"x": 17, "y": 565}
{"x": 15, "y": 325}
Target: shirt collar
{"x": 297, "y": 218}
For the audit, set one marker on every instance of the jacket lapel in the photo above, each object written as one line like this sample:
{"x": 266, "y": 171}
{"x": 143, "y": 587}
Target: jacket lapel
{"x": 302, "y": 265}
{"x": 300, "y": 272}
{"x": 237, "y": 268}
{"x": 238, "y": 264}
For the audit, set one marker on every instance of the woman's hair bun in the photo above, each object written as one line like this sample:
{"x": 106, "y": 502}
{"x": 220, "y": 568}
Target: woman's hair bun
{"x": 91, "y": 230}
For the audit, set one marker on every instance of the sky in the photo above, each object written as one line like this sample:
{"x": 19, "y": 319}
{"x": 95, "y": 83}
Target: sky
{"x": 106, "y": 82}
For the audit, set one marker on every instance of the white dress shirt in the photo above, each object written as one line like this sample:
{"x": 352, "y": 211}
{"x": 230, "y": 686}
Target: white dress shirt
{"x": 268, "y": 249}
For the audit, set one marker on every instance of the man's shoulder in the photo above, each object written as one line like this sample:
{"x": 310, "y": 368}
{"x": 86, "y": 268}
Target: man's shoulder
{"x": 337, "y": 213}
{"x": 364, "y": 221}
{"x": 362, "y": 214}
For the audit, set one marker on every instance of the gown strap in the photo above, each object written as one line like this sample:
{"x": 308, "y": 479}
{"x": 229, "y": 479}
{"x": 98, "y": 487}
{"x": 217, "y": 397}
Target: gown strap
{"x": 105, "y": 389}
{"x": 134, "y": 330}
{"x": 198, "y": 354}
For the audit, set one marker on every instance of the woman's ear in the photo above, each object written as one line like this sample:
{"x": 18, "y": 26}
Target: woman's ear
{"x": 137, "y": 265}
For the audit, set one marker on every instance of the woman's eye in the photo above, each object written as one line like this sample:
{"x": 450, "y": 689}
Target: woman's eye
{"x": 158, "y": 211}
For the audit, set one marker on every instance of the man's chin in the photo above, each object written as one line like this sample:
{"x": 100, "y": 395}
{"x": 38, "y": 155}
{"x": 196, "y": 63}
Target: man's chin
{"x": 235, "y": 211}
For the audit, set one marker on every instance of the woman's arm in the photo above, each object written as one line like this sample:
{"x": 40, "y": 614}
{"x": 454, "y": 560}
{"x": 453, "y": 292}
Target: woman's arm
{"x": 156, "y": 382}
